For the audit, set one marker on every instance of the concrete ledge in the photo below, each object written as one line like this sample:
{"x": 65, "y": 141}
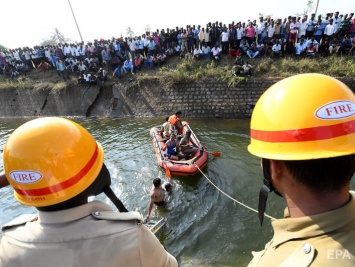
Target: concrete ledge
{"x": 148, "y": 99}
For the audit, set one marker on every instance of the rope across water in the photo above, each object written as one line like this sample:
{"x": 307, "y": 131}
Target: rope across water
{"x": 236, "y": 201}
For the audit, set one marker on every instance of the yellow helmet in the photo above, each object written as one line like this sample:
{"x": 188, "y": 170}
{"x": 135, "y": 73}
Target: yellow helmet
{"x": 51, "y": 160}
{"x": 306, "y": 116}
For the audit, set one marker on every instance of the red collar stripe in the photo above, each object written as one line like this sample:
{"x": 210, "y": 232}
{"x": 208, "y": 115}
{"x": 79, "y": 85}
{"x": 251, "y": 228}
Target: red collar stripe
{"x": 305, "y": 134}
{"x": 63, "y": 185}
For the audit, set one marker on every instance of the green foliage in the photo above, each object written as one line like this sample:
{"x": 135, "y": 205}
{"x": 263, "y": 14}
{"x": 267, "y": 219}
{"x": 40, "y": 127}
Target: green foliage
{"x": 177, "y": 70}
{"x": 2, "y": 48}
{"x": 56, "y": 38}
{"x": 129, "y": 32}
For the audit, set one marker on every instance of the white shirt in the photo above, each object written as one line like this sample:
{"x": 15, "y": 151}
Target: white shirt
{"x": 300, "y": 47}
{"x": 16, "y": 55}
{"x": 66, "y": 50}
{"x": 82, "y": 67}
{"x": 302, "y": 29}
{"x": 239, "y": 32}
{"x": 276, "y": 47}
{"x": 329, "y": 29}
{"x": 336, "y": 23}
{"x": 47, "y": 53}
{"x": 206, "y": 36}
{"x": 294, "y": 27}
{"x": 206, "y": 49}
{"x": 197, "y": 51}
{"x": 260, "y": 28}
{"x": 270, "y": 31}
{"x": 215, "y": 51}
{"x": 225, "y": 36}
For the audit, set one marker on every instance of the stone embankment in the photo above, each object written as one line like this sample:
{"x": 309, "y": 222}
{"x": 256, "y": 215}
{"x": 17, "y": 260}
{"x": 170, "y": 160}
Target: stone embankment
{"x": 148, "y": 99}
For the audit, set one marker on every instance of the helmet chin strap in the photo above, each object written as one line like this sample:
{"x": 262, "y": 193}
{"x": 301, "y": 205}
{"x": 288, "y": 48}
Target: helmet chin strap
{"x": 111, "y": 195}
{"x": 265, "y": 189}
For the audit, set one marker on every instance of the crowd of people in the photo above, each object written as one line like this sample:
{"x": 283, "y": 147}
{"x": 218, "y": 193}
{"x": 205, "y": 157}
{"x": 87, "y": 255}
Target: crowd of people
{"x": 295, "y": 36}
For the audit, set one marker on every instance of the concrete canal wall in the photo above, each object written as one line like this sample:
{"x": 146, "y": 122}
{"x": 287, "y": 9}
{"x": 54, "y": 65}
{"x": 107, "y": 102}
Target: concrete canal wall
{"x": 148, "y": 99}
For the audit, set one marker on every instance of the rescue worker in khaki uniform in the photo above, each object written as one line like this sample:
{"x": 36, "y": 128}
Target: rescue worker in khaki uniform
{"x": 54, "y": 164}
{"x": 303, "y": 129}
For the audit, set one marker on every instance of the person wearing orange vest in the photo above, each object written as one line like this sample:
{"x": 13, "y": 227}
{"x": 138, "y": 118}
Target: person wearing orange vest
{"x": 303, "y": 129}
{"x": 175, "y": 121}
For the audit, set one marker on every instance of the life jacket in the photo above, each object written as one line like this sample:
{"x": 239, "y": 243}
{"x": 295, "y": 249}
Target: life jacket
{"x": 173, "y": 119}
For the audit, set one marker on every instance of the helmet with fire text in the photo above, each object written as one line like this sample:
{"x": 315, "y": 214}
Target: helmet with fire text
{"x": 306, "y": 116}
{"x": 303, "y": 117}
{"x": 51, "y": 160}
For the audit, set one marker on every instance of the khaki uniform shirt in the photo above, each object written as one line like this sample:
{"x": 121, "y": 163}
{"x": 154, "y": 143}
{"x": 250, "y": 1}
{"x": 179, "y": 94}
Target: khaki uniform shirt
{"x": 88, "y": 235}
{"x": 326, "y": 240}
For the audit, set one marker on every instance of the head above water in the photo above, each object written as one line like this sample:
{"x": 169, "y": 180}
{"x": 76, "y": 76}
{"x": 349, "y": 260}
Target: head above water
{"x": 157, "y": 182}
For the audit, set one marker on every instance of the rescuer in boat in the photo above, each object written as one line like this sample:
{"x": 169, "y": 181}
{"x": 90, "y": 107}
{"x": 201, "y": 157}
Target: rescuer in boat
{"x": 303, "y": 129}
{"x": 166, "y": 129}
{"x": 54, "y": 165}
{"x": 157, "y": 194}
{"x": 172, "y": 148}
{"x": 175, "y": 121}
{"x": 188, "y": 147}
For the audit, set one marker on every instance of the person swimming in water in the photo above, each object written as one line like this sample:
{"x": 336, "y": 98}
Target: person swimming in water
{"x": 157, "y": 194}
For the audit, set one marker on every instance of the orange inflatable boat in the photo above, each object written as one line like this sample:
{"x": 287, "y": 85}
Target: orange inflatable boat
{"x": 179, "y": 167}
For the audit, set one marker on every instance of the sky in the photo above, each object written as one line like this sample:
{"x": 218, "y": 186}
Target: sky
{"x": 29, "y": 22}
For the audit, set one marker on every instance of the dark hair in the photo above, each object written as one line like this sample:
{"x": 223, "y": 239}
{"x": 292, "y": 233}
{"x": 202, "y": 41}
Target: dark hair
{"x": 157, "y": 182}
{"x": 323, "y": 175}
{"x": 178, "y": 112}
{"x": 97, "y": 187}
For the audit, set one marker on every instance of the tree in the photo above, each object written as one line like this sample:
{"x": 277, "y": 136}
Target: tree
{"x": 56, "y": 38}
{"x": 264, "y": 17}
{"x": 308, "y": 9}
{"x": 129, "y": 32}
{"x": 147, "y": 28}
{"x": 2, "y": 48}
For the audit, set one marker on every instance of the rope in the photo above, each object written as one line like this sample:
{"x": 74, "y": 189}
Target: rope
{"x": 236, "y": 201}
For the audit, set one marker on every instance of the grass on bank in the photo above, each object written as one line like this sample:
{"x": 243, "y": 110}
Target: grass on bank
{"x": 191, "y": 70}
{"x": 177, "y": 70}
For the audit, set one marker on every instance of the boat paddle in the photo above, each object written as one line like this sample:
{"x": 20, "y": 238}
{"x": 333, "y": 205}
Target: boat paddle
{"x": 215, "y": 153}
{"x": 167, "y": 170}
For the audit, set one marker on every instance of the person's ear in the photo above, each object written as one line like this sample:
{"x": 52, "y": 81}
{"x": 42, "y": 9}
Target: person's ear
{"x": 277, "y": 169}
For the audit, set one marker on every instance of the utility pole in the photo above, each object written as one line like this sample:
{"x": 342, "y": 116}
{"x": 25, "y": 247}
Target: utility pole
{"x": 77, "y": 26}
{"x": 316, "y": 9}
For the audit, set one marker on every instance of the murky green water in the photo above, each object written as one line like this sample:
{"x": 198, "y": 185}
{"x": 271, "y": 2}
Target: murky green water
{"x": 205, "y": 228}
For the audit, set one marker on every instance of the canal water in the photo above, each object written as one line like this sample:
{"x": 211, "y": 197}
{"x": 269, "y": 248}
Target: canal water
{"x": 204, "y": 227}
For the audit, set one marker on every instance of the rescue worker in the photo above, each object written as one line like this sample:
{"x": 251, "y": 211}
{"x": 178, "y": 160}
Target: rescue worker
{"x": 166, "y": 129}
{"x": 187, "y": 145}
{"x": 54, "y": 164}
{"x": 175, "y": 121}
{"x": 303, "y": 129}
